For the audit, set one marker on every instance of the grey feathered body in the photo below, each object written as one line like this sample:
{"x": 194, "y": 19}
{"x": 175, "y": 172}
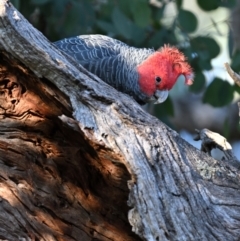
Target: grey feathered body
{"x": 111, "y": 60}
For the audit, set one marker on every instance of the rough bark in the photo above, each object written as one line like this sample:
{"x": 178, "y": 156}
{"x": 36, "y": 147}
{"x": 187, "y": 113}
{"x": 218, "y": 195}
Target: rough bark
{"x": 81, "y": 161}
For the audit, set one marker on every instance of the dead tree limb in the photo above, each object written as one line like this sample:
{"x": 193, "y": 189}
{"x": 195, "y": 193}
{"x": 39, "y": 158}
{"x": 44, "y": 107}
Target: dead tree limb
{"x": 211, "y": 140}
{"x": 235, "y": 77}
{"x": 232, "y": 74}
{"x": 74, "y": 152}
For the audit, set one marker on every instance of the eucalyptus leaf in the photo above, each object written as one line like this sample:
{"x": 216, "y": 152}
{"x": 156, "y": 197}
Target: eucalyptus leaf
{"x": 219, "y": 93}
{"x": 208, "y": 5}
{"x": 138, "y": 35}
{"x": 124, "y": 6}
{"x": 159, "y": 13}
{"x": 179, "y": 3}
{"x": 205, "y": 46}
{"x": 79, "y": 18}
{"x": 237, "y": 88}
{"x": 122, "y": 24}
{"x": 141, "y": 12}
{"x": 106, "y": 26}
{"x": 187, "y": 21}
{"x": 40, "y": 2}
{"x": 199, "y": 82}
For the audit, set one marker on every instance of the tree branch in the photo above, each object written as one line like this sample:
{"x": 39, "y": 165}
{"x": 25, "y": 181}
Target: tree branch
{"x": 175, "y": 191}
{"x": 233, "y": 75}
{"x": 211, "y": 140}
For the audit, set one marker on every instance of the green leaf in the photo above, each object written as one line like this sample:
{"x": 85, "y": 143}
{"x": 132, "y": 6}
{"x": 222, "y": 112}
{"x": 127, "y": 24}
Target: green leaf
{"x": 79, "y": 18}
{"x": 206, "y": 47}
{"x": 122, "y": 24}
{"x": 58, "y": 8}
{"x": 40, "y": 2}
{"x": 218, "y": 93}
{"x": 105, "y": 10}
{"x": 124, "y": 6}
{"x": 237, "y": 88}
{"x": 187, "y": 21}
{"x": 158, "y": 13}
{"x": 159, "y": 38}
{"x": 179, "y": 3}
{"x": 208, "y": 5}
{"x": 106, "y": 26}
{"x": 141, "y": 12}
{"x": 138, "y": 35}
{"x": 199, "y": 83}
{"x": 205, "y": 64}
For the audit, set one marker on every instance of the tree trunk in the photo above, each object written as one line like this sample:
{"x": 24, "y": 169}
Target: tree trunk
{"x": 81, "y": 161}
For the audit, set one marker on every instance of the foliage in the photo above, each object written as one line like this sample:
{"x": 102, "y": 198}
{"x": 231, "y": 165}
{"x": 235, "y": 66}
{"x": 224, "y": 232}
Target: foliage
{"x": 220, "y": 88}
{"x": 138, "y": 23}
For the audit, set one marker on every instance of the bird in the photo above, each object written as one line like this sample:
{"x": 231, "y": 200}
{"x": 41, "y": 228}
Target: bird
{"x": 143, "y": 73}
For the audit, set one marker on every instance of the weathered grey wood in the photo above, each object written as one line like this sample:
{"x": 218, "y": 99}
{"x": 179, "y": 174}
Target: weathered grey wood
{"x": 211, "y": 140}
{"x": 175, "y": 191}
{"x": 233, "y": 75}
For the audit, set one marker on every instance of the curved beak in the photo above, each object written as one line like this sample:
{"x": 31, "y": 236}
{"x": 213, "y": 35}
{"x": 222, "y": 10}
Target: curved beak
{"x": 160, "y": 95}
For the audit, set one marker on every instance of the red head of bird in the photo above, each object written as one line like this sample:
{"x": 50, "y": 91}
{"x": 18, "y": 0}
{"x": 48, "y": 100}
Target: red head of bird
{"x": 160, "y": 71}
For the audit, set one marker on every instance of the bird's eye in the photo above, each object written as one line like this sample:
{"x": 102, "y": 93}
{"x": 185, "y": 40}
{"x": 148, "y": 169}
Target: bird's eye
{"x": 158, "y": 79}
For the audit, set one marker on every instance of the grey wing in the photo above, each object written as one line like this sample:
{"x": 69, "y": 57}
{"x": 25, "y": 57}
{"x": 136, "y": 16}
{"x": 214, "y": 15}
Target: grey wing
{"x": 90, "y": 49}
{"x": 97, "y": 53}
